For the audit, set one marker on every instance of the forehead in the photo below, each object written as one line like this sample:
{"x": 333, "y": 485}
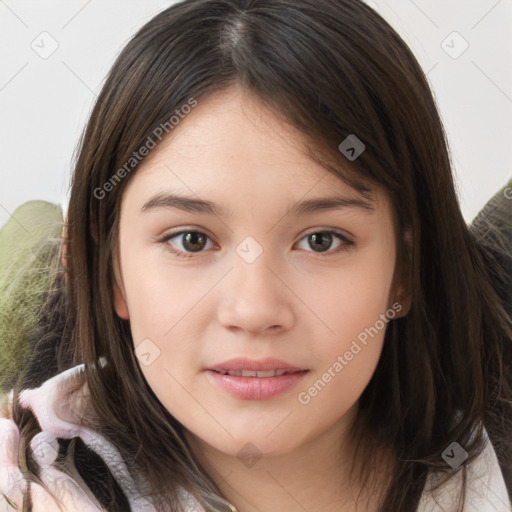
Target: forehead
{"x": 231, "y": 146}
{"x": 231, "y": 126}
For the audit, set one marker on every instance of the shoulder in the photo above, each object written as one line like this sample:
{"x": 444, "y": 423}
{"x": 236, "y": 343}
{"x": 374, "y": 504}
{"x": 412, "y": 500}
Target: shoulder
{"x": 486, "y": 490}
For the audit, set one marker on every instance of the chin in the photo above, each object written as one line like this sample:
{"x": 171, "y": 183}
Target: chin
{"x": 253, "y": 445}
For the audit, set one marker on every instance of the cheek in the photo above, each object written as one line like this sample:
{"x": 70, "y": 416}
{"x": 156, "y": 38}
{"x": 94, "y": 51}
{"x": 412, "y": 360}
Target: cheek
{"x": 352, "y": 307}
{"x": 167, "y": 324}
{"x": 161, "y": 298}
{"x": 351, "y": 300}
{"x": 344, "y": 362}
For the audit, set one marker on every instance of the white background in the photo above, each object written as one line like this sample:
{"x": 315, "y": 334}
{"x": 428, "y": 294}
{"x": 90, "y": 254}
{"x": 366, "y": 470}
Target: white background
{"x": 44, "y": 103}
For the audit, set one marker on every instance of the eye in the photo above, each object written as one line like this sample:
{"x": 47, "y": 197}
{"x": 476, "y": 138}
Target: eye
{"x": 322, "y": 241}
{"x": 189, "y": 242}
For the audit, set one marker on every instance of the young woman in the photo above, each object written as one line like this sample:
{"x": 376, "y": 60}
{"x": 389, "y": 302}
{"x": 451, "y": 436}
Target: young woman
{"x": 269, "y": 298}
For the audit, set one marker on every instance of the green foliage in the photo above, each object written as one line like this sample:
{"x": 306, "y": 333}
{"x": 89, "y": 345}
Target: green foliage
{"x": 29, "y": 255}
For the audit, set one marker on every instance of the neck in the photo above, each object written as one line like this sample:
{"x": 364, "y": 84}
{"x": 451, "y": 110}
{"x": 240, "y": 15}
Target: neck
{"x": 315, "y": 476}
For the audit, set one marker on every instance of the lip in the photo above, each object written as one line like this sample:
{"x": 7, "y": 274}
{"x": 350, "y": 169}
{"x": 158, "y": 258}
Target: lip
{"x": 268, "y": 364}
{"x": 255, "y": 388}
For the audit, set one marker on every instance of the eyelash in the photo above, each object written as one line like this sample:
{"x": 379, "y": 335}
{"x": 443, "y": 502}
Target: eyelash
{"x": 345, "y": 246}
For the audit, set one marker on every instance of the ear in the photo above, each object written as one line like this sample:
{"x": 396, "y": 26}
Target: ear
{"x": 120, "y": 304}
{"x": 405, "y": 300}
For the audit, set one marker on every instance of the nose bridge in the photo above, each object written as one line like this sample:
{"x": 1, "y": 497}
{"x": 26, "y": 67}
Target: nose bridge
{"x": 258, "y": 264}
{"x": 254, "y": 298}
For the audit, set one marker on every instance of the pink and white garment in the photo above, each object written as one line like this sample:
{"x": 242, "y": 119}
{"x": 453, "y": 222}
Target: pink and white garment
{"x": 62, "y": 409}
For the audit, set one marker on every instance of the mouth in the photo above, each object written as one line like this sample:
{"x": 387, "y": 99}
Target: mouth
{"x": 245, "y": 367}
{"x": 255, "y": 380}
{"x": 255, "y": 373}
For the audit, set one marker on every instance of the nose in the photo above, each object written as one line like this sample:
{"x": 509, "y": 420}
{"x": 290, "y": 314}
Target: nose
{"x": 255, "y": 298}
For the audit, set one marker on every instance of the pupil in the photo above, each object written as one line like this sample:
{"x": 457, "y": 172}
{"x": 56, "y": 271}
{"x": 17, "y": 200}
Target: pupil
{"x": 324, "y": 239}
{"x": 191, "y": 240}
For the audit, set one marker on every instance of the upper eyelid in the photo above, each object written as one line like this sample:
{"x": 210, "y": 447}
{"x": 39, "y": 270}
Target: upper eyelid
{"x": 339, "y": 232}
{"x": 180, "y": 231}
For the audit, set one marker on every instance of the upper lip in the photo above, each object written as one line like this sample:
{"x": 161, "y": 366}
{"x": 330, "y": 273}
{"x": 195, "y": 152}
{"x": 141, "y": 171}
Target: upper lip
{"x": 268, "y": 364}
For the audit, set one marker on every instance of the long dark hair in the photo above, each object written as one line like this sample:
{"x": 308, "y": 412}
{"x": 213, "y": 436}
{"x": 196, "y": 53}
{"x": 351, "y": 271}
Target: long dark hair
{"x": 330, "y": 68}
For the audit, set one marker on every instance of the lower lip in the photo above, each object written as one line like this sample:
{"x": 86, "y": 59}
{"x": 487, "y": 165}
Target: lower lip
{"x": 256, "y": 388}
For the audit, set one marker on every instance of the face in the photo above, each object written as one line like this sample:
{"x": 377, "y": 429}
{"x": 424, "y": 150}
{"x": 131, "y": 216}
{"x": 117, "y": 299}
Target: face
{"x": 257, "y": 315}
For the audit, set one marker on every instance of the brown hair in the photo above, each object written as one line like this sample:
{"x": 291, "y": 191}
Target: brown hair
{"x": 330, "y": 68}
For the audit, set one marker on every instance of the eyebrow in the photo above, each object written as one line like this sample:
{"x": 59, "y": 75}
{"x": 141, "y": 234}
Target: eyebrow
{"x": 305, "y": 207}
